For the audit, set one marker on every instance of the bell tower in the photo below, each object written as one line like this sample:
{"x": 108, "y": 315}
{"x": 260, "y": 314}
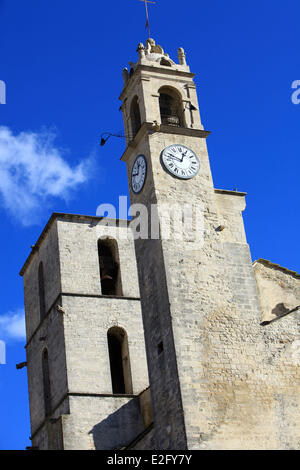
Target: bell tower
{"x": 188, "y": 284}
{"x": 158, "y": 91}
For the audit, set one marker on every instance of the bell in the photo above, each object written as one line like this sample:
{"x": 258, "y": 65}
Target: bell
{"x": 104, "y": 276}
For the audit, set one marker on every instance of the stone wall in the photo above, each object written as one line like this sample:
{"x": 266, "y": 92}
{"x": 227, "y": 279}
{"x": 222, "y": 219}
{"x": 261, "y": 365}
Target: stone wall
{"x": 46, "y": 251}
{"x": 103, "y": 423}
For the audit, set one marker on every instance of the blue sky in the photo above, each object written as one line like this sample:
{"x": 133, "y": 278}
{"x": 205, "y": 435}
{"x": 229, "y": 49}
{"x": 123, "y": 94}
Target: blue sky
{"x": 62, "y": 64}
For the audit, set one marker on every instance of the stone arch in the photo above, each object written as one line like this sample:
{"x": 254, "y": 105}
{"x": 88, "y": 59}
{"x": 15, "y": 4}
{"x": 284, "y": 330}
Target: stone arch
{"x": 109, "y": 263}
{"x": 171, "y": 107}
{"x": 165, "y": 62}
{"x": 119, "y": 361}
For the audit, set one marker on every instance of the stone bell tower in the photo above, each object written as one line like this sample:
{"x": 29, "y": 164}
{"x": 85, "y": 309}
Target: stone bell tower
{"x": 159, "y": 333}
{"x": 200, "y": 306}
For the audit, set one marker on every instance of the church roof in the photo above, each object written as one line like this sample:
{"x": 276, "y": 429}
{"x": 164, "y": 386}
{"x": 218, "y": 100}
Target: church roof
{"x": 269, "y": 264}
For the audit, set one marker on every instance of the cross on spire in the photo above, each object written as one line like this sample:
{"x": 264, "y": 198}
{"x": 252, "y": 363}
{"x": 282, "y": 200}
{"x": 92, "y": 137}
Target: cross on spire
{"x": 147, "y": 15}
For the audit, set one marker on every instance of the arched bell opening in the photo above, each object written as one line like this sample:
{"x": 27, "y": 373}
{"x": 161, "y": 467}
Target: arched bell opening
{"x": 135, "y": 116}
{"x": 110, "y": 276}
{"x": 171, "y": 108}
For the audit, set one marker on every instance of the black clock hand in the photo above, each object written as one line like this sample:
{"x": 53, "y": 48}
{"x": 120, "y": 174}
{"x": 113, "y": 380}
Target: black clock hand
{"x": 138, "y": 170}
{"x": 183, "y": 155}
{"x": 174, "y": 158}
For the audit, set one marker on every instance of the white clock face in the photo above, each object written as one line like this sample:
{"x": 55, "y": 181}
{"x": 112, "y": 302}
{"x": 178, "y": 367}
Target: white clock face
{"x": 138, "y": 174}
{"x": 180, "y": 161}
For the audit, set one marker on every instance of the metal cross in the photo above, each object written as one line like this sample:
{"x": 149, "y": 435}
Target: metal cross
{"x": 146, "y": 6}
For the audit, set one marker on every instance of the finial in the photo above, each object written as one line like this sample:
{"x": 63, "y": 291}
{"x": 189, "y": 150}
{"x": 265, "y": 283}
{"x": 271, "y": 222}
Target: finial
{"x": 141, "y": 50}
{"x": 151, "y": 47}
{"x": 125, "y": 75}
{"x": 181, "y": 56}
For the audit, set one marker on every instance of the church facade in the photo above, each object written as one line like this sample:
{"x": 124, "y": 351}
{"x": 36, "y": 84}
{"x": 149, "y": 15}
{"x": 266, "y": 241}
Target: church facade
{"x": 155, "y": 341}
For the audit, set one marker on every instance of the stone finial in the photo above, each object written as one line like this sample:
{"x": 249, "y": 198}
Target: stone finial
{"x": 125, "y": 75}
{"x": 141, "y": 50}
{"x": 181, "y": 56}
{"x": 150, "y": 43}
{"x": 151, "y": 47}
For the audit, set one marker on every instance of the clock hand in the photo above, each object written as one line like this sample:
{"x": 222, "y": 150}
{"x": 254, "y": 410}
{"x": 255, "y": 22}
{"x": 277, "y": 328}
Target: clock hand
{"x": 174, "y": 158}
{"x": 183, "y": 155}
{"x": 138, "y": 170}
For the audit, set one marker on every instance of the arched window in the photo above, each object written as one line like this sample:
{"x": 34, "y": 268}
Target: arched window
{"x": 170, "y": 104}
{"x": 110, "y": 275}
{"x": 42, "y": 292}
{"x": 119, "y": 361}
{"x": 135, "y": 116}
{"x": 46, "y": 383}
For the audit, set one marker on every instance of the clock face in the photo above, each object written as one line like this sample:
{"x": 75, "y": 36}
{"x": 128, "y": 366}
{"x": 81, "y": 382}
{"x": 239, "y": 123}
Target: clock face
{"x": 180, "y": 161}
{"x": 138, "y": 174}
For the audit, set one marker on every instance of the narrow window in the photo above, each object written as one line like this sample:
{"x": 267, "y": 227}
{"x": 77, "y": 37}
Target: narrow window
{"x": 119, "y": 361}
{"x": 160, "y": 348}
{"x": 42, "y": 292}
{"x": 46, "y": 383}
{"x": 110, "y": 275}
{"x": 135, "y": 116}
{"x": 170, "y": 105}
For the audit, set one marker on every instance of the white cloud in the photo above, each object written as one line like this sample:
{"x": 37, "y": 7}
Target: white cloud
{"x": 12, "y": 326}
{"x": 32, "y": 171}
